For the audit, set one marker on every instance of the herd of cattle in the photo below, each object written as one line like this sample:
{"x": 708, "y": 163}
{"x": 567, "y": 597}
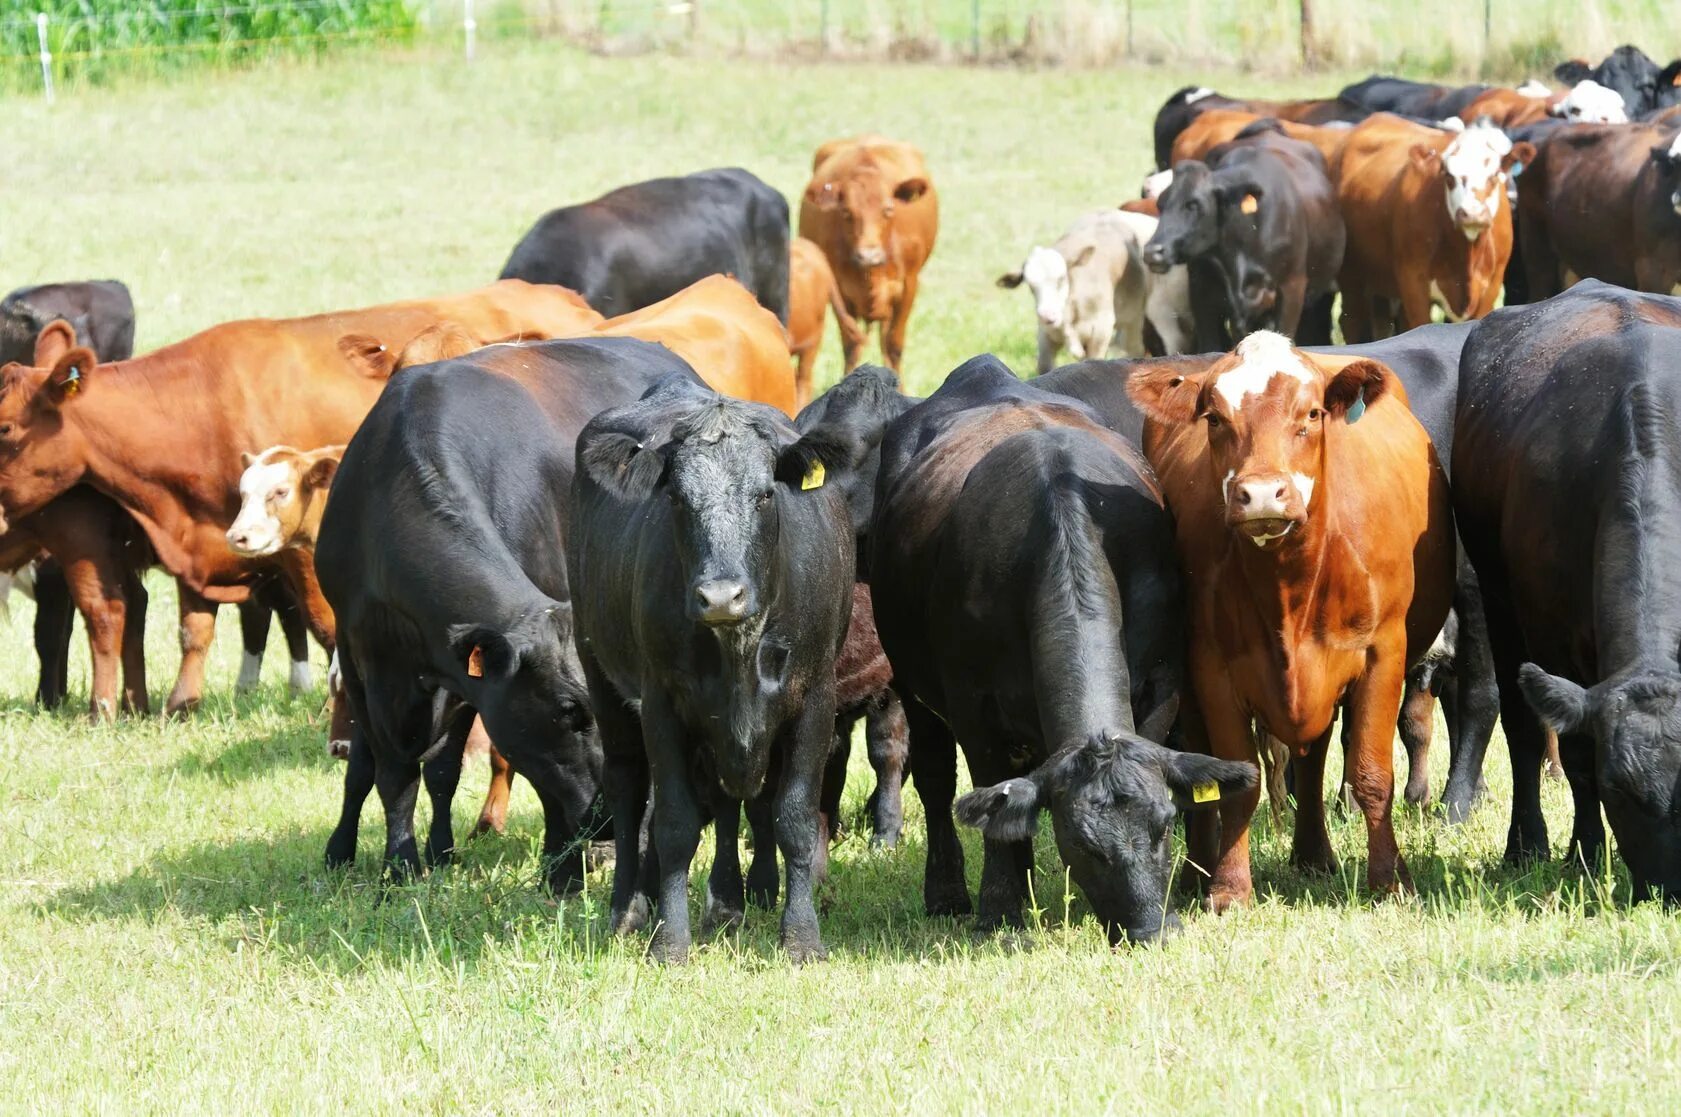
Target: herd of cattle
{"x": 589, "y": 516}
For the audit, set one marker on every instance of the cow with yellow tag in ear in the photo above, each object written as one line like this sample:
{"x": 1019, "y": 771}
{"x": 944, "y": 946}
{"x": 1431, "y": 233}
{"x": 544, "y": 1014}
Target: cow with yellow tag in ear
{"x": 1257, "y": 224}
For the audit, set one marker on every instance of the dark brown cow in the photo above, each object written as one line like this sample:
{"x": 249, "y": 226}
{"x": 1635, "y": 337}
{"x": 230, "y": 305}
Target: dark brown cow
{"x": 1603, "y": 201}
{"x": 1314, "y": 528}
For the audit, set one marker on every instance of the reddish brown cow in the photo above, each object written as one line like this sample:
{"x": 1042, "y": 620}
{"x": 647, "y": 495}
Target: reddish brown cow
{"x": 1218, "y": 126}
{"x": 872, "y": 209}
{"x": 1428, "y": 223}
{"x": 1314, "y": 528}
{"x": 812, "y": 293}
{"x": 163, "y": 433}
{"x": 1508, "y": 108}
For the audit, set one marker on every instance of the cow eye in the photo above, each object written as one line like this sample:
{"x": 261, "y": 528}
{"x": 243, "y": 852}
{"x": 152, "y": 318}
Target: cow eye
{"x": 1213, "y": 420}
{"x": 764, "y": 497}
{"x": 1315, "y": 415}
{"x": 6, "y": 430}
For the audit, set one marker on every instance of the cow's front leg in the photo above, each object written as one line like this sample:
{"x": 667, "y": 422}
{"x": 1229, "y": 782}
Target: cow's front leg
{"x": 1227, "y": 726}
{"x": 1373, "y": 706}
{"x": 676, "y": 824}
{"x": 798, "y": 830}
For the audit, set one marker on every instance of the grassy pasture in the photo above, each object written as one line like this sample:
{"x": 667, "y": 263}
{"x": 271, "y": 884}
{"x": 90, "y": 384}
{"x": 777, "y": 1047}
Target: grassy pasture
{"x": 170, "y": 942}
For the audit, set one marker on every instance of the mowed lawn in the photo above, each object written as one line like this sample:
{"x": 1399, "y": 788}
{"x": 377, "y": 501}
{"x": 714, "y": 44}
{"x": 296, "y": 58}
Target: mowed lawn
{"x": 169, "y": 940}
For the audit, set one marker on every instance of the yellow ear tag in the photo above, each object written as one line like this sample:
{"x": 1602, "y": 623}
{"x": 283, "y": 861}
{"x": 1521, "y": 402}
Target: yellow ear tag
{"x": 475, "y": 665}
{"x": 1249, "y": 204}
{"x": 813, "y": 478}
{"x": 1205, "y": 792}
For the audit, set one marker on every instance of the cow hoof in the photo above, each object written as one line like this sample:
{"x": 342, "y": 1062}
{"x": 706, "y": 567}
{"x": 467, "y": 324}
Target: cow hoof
{"x": 633, "y": 918}
{"x": 340, "y": 854}
{"x": 669, "y": 950}
{"x": 886, "y": 839}
{"x": 720, "y": 916}
{"x": 1321, "y": 861}
{"x": 989, "y": 922}
{"x": 338, "y": 750}
{"x": 804, "y": 948}
{"x": 1222, "y": 900}
{"x": 947, "y": 901}
{"x": 180, "y": 708}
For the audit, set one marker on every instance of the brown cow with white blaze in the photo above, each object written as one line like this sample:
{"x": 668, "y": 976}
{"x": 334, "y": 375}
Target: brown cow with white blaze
{"x": 1313, "y": 524}
{"x": 872, "y": 208}
{"x": 1429, "y": 223}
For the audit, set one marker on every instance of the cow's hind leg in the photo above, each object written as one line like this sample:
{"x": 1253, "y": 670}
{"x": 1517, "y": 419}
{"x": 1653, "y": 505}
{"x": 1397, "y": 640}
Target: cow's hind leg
{"x": 1417, "y": 726}
{"x": 494, "y": 814}
{"x": 55, "y": 618}
{"x": 1587, "y": 834}
{"x": 888, "y": 739}
{"x": 726, "y": 902}
{"x": 198, "y": 629}
{"x": 1311, "y": 848}
{"x": 934, "y": 768}
{"x": 442, "y": 773}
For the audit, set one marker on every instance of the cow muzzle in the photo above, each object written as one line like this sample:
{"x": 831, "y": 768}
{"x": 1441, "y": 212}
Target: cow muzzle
{"x": 720, "y": 601}
{"x": 1473, "y": 225}
{"x": 252, "y": 542}
{"x": 1156, "y": 258}
{"x": 1264, "y": 508}
{"x": 873, "y": 256}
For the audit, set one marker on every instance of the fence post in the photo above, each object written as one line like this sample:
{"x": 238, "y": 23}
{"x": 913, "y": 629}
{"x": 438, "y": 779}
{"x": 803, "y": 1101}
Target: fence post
{"x": 975, "y": 29}
{"x": 1130, "y": 53}
{"x": 823, "y": 28}
{"x": 469, "y": 26}
{"x": 46, "y": 55}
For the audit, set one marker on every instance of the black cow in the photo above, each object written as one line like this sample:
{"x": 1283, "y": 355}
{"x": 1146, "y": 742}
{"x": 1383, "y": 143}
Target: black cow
{"x": 645, "y": 242}
{"x": 1627, "y": 71}
{"x": 1027, "y": 594}
{"x": 442, "y": 555}
{"x": 101, "y": 312}
{"x": 1259, "y": 226}
{"x": 1424, "y": 101}
{"x": 1426, "y": 360}
{"x": 712, "y": 569}
{"x": 1567, "y": 491}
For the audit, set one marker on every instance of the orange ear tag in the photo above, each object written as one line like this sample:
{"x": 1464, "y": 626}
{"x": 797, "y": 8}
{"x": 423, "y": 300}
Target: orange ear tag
{"x": 475, "y": 662}
{"x": 1249, "y": 204}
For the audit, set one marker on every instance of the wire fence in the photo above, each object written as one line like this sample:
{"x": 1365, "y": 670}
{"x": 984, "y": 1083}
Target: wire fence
{"x": 86, "y": 40}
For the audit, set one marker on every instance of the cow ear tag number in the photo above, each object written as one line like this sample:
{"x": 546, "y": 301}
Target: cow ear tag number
{"x": 814, "y": 477}
{"x": 1357, "y": 409}
{"x": 1249, "y": 204}
{"x": 475, "y": 662}
{"x": 1205, "y": 792}
{"x": 72, "y": 382}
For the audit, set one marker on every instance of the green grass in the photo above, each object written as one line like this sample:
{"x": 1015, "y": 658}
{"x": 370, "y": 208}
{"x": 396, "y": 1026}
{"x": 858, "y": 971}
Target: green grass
{"x": 169, "y": 940}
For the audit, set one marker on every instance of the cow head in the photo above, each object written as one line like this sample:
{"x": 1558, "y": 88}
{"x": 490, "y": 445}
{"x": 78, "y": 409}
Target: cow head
{"x": 527, "y": 667}
{"x": 281, "y": 496}
{"x": 867, "y": 200}
{"x": 843, "y": 428}
{"x": 1588, "y": 102}
{"x": 1047, "y": 274}
{"x": 1113, "y": 800}
{"x": 1635, "y": 723}
{"x": 1473, "y": 168}
{"x": 40, "y": 455}
{"x": 1667, "y": 162}
{"x": 1189, "y": 225}
{"x": 1627, "y": 71}
{"x": 1266, "y": 407}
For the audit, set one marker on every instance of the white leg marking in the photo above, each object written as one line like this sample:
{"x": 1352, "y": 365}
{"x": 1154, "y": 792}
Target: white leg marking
{"x": 301, "y": 678}
{"x": 250, "y": 672}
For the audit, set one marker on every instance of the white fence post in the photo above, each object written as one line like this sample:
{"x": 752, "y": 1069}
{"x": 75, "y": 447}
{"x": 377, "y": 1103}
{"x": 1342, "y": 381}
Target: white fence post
{"x": 469, "y": 26}
{"x": 46, "y": 55}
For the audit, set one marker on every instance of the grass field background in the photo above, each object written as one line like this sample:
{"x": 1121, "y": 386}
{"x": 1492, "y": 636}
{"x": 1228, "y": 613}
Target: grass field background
{"x": 169, "y": 940}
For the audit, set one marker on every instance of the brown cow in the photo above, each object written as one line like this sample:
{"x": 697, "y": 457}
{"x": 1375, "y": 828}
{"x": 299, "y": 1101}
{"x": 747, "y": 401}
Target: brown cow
{"x": 873, "y": 210}
{"x": 812, "y": 292}
{"x": 737, "y": 346}
{"x": 1603, "y": 201}
{"x": 1509, "y": 108}
{"x": 1314, "y": 527}
{"x": 1428, "y": 222}
{"x": 162, "y": 433}
{"x": 1218, "y": 126}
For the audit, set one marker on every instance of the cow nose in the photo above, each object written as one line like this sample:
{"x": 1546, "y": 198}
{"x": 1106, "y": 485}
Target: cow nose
{"x": 721, "y": 602}
{"x": 238, "y": 540}
{"x": 1264, "y": 498}
{"x": 1155, "y": 257}
{"x": 869, "y": 257}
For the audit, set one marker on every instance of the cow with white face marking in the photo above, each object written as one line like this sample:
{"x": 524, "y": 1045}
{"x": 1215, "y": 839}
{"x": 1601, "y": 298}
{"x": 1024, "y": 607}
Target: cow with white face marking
{"x": 1429, "y": 223}
{"x": 282, "y": 494}
{"x": 1588, "y": 102}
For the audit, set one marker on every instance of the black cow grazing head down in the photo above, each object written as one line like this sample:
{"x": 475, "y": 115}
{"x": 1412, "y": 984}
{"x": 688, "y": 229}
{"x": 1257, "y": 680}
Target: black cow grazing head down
{"x": 1113, "y": 800}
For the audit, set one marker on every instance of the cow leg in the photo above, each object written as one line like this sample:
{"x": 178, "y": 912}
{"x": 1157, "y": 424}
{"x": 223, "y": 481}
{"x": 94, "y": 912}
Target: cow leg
{"x": 295, "y": 628}
{"x": 96, "y": 586}
{"x": 1417, "y": 726}
{"x": 198, "y": 629}
{"x": 726, "y": 902}
{"x": 834, "y": 776}
{"x": 358, "y": 783}
{"x": 137, "y": 600}
{"x": 763, "y": 876}
{"x": 254, "y": 618}
{"x": 299, "y": 569}
{"x": 1315, "y": 325}
{"x": 888, "y": 739}
{"x": 1311, "y": 848}
{"x": 443, "y": 775}
{"x": 1543, "y": 274}
{"x": 1374, "y": 705}
{"x": 1475, "y": 703}
{"x": 1415, "y": 306}
{"x": 852, "y": 345}
{"x": 55, "y": 620}
{"x": 397, "y": 778}
{"x": 494, "y": 814}
{"x": 1554, "y": 766}
{"x": 1048, "y": 349}
{"x": 1356, "y": 316}
{"x": 1292, "y": 296}
{"x": 803, "y": 373}
{"x": 676, "y": 827}
{"x": 893, "y": 334}
{"x": 798, "y": 830}
{"x": 1587, "y": 835}
{"x": 624, "y": 784}
{"x": 1526, "y": 838}
{"x": 1227, "y": 725}
{"x": 934, "y": 768}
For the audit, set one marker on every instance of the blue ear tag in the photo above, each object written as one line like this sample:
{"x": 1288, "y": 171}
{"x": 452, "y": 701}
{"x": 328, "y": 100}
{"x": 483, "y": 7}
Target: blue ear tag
{"x": 1517, "y": 169}
{"x": 1358, "y": 409}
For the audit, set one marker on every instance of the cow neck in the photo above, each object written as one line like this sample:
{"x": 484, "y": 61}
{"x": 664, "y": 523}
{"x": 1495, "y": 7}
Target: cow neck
{"x": 1637, "y": 625}
{"x": 1465, "y": 264}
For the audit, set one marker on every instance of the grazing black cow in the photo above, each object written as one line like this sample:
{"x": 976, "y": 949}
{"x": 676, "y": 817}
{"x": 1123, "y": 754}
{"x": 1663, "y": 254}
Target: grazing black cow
{"x": 1567, "y": 491}
{"x": 1426, "y": 360}
{"x": 1027, "y": 594}
{"x": 101, "y": 312}
{"x": 641, "y": 243}
{"x": 712, "y": 569}
{"x": 1424, "y": 101}
{"x": 1259, "y": 226}
{"x": 1627, "y": 71}
{"x": 442, "y": 554}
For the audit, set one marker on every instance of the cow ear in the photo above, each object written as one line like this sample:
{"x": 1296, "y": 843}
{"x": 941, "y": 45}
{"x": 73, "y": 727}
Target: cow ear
{"x": 808, "y": 463}
{"x": 1165, "y": 393}
{"x": 368, "y": 355}
{"x": 823, "y": 195}
{"x": 620, "y": 464}
{"x": 1005, "y": 812}
{"x": 53, "y": 342}
{"x": 320, "y": 473}
{"x": 1245, "y": 193}
{"x": 1083, "y": 258}
{"x": 70, "y": 375}
{"x": 1572, "y": 71}
{"x": 1353, "y": 387}
{"x": 483, "y": 652}
{"x": 1198, "y": 782}
{"x": 911, "y": 189}
{"x": 1670, "y": 75}
{"x": 1012, "y": 279}
{"x": 1426, "y": 158}
{"x": 1521, "y": 155}
{"x": 440, "y": 342}
{"x": 1560, "y": 703}
{"x": 246, "y": 460}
